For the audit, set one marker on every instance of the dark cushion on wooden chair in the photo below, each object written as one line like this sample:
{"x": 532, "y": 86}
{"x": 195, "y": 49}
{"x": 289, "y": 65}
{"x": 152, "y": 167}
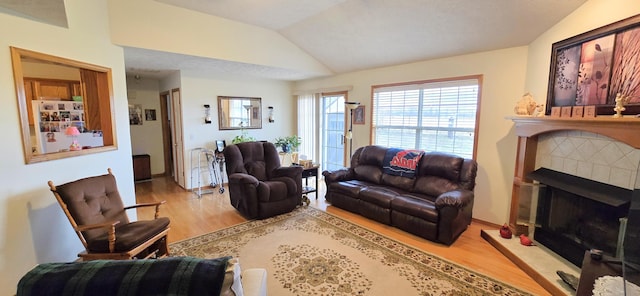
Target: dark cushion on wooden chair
{"x": 97, "y": 214}
{"x": 129, "y": 235}
{"x": 94, "y": 200}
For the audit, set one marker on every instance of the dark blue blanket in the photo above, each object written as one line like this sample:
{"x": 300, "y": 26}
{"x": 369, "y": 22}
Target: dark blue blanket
{"x": 400, "y": 162}
{"x": 170, "y": 276}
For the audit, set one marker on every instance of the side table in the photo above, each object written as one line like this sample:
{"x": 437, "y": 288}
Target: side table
{"x": 141, "y": 167}
{"x": 311, "y": 172}
{"x": 593, "y": 269}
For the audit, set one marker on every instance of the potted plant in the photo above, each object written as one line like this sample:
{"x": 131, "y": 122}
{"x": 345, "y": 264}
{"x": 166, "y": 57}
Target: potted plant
{"x": 288, "y": 144}
{"x": 243, "y": 137}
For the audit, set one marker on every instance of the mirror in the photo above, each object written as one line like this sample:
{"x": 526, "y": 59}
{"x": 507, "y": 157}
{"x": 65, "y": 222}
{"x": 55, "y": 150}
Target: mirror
{"x": 239, "y": 112}
{"x": 66, "y": 106}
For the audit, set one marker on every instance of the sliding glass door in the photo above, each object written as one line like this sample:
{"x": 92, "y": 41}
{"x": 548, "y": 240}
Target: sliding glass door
{"x": 333, "y": 146}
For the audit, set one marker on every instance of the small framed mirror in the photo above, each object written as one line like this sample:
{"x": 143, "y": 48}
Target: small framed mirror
{"x": 239, "y": 112}
{"x": 65, "y": 106}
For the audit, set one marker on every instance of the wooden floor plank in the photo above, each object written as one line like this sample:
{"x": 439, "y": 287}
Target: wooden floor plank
{"x": 192, "y": 216}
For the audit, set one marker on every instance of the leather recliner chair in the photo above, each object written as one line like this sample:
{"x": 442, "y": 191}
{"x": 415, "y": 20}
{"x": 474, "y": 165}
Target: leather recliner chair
{"x": 259, "y": 187}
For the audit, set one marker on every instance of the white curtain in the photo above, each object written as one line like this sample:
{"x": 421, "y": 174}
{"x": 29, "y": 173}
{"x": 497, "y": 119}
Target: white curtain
{"x": 307, "y": 125}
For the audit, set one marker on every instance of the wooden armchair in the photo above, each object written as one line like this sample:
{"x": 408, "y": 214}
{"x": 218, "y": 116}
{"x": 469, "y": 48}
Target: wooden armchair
{"x": 98, "y": 216}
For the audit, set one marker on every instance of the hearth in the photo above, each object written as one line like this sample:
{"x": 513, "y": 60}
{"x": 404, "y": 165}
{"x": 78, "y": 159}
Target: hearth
{"x": 575, "y": 214}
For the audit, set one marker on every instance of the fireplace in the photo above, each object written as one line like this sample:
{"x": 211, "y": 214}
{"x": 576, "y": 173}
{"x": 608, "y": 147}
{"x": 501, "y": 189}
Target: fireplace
{"x": 575, "y": 214}
{"x": 532, "y": 130}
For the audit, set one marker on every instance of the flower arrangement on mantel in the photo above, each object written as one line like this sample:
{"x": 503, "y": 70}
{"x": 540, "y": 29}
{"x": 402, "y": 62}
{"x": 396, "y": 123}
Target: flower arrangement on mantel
{"x": 288, "y": 144}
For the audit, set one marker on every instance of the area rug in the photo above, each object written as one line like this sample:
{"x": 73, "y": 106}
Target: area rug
{"x": 311, "y": 252}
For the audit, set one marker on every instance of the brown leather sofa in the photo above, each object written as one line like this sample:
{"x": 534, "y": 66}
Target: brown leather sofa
{"x": 259, "y": 187}
{"x": 435, "y": 204}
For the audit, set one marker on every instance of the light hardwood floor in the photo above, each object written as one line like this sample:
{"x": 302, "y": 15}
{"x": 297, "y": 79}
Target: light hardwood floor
{"x": 192, "y": 216}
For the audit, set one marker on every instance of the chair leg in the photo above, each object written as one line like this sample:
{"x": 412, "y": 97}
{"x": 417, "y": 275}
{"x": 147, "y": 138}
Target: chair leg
{"x": 163, "y": 248}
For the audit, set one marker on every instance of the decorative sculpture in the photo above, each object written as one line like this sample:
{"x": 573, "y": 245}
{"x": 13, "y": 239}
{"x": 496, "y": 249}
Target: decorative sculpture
{"x": 539, "y": 110}
{"x": 621, "y": 100}
{"x": 526, "y": 105}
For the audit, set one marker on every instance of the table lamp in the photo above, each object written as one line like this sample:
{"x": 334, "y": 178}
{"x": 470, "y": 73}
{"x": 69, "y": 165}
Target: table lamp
{"x": 73, "y": 132}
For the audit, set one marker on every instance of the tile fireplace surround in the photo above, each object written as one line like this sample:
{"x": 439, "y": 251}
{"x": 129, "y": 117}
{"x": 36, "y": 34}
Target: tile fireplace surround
{"x": 602, "y": 149}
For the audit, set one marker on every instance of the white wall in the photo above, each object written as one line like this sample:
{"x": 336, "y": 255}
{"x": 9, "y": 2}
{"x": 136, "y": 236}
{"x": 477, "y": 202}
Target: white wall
{"x": 196, "y": 92}
{"x": 503, "y": 84}
{"x": 147, "y": 138}
{"x": 33, "y": 228}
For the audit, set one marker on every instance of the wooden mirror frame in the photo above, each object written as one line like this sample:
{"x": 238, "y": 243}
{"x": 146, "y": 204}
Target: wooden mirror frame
{"x": 223, "y": 113}
{"x": 97, "y": 94}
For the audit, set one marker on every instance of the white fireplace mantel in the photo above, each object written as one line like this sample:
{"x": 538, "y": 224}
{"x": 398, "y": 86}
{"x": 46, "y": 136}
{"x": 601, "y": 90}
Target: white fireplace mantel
{"x": 624, "y": 129}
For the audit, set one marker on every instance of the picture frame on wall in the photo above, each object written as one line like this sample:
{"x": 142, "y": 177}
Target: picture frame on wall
{"x": 590, "y": 69}
{"x": 150, "y": 114}
{"x": 358, "y": 115}
{"x": 135, "y": 114}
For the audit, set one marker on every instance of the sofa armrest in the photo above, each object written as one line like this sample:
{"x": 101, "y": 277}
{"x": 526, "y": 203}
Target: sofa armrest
{"x": 293, "y": 172}
{"x": 254, "y": 282}
{"x": 455, "y": 198}
{"x": 240, "y": 178}
{"x": 337, "y": 175}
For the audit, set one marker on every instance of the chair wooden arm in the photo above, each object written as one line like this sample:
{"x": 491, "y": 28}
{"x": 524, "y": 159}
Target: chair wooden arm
{"x": 112, "y": 232}
{"x": 156, "y": 204}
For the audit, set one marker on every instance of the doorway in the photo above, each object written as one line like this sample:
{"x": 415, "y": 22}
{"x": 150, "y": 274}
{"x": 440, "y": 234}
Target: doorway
{"x": 177, "y": 140}
{"x": 165, "y": 102}
{"x": 332, "y": 147}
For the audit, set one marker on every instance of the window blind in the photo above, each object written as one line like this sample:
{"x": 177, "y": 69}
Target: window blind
{"x": 430, "y": 116}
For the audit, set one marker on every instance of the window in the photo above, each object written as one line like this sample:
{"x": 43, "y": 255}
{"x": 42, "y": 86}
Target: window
{"x": 56, "y": 94}
{"x": 428, "y": 115}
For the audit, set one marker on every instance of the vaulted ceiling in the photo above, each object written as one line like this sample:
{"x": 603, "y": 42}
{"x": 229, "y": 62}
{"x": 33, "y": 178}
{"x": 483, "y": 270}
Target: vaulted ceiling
{"x": 351, "y": 35}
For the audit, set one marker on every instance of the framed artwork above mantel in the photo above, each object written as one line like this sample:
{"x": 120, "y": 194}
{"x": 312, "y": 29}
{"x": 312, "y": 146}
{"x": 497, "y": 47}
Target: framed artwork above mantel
{"x": 590, "y": 69}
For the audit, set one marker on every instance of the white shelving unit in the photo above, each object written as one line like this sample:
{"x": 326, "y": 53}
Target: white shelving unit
{"x": 52, "y": 117}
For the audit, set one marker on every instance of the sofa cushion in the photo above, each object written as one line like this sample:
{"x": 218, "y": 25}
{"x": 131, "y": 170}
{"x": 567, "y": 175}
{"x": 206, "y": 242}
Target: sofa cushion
{"x": 270, "y": 191}
{"x": 128, "y": 236}
{"x": 403, "y": 183}
{"x": 350, "y": 188}
{"x": 379, "y": 196}
{"x": 433, "y": 185}
{"x": 416, "y": 207}
{"x": 370, "y": 155}
{"x": 368, "y": 173}
{"x": 257, "y": 169}
{"x": 441, "y": 164}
